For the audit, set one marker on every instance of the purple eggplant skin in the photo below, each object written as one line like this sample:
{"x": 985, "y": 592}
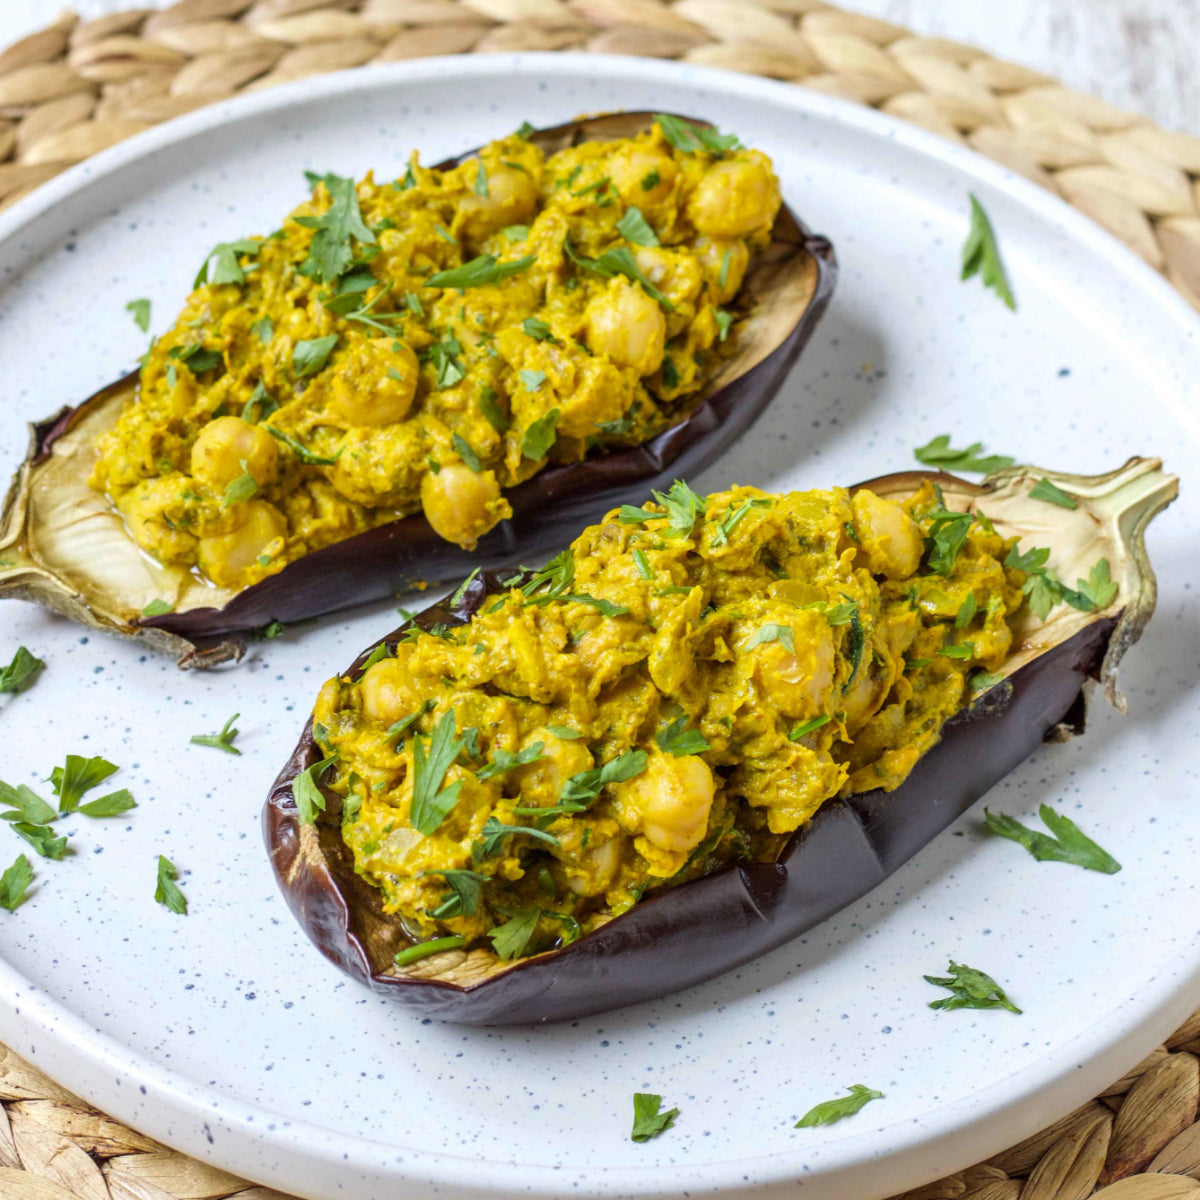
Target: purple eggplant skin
{"x": 690, "y": 933}
{"x": 394, "y": 558}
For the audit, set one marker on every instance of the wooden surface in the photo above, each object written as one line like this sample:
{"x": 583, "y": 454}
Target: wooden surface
{"x": 1137, "y": 54}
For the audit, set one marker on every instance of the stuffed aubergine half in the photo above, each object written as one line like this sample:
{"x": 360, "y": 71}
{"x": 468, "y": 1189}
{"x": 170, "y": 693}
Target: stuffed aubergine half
{"x": 706, "y": 725}
{"x": 415, "y": 376}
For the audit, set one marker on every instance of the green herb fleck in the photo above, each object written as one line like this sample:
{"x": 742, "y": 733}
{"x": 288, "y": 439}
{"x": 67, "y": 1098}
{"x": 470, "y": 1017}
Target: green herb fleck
{"x": 970, "y": 988}
{"x": 648, "y": 1120}
{"x": 20, "y": 671}
{"x": 634, "y": 227}
{"x": 308, "y": 796}
{"x": 482, "y": 270}
{"x": 836, "y": 1110}
{"x": 431, "y": 803}
{"x": 310, "y": 354}
{"x": 678, "y": 740}
{"x": 1047, "y": 491}
{"x": 783, "y": 634}
{"x": 981, "y": 255}
{"x": 331, "y": 250}
{"x": 241, "y": 488}
{"x": 78, "y": 776}
{"x": 692, "y": 139}
{"x": 1068, "y": 843}
{"x": 807, "y": 727}
{"x": 167, "y": 891}
{"x": 512, "y": 938}
{"x": 938, "y": 453}
{"x": 225, "y": 268}
{"x": 141, "y": 313}
{"x": 540, "y": 435}
{"x": 220, "y": 741}
{"x": 15, "y": 882}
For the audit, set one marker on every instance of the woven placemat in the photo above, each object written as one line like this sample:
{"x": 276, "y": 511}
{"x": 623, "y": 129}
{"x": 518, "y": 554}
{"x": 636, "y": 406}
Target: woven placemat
{"x": 74, "y": 89}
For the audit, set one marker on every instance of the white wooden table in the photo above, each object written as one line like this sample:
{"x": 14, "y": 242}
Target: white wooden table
{"x": 1137, "y": 54}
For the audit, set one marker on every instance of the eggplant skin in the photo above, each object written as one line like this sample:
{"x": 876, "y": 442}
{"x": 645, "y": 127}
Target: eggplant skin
{"x": 395, "y": 557}
{"x": 698, "y": 930}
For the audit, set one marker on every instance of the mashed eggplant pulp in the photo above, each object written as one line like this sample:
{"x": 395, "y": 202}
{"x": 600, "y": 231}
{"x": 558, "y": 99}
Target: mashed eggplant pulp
{"x": 425, "y": 344}
{"x": 683, "y": 687}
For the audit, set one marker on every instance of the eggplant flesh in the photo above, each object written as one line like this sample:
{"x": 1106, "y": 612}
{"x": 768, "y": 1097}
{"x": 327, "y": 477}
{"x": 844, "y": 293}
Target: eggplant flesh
{"x": 66, "y": 548}
{"x": 690, "y": 933}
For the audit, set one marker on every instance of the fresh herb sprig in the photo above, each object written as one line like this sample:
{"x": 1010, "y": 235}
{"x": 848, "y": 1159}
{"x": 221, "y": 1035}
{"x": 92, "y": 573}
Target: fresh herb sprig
{"x": 1065, "y": 843}
{"x": 939, "y": 453}
{"x": 20, "y": 673}
{"x": 829, "y": 1111}
{"x": 981, "y": 255}
{"x": 648, "y": 1118}
{"x": 220, "y": 741}
{"x": 969, "y": 988}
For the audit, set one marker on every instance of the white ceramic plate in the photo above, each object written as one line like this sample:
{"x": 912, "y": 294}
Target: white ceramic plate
{"x": 225, "y": 1034}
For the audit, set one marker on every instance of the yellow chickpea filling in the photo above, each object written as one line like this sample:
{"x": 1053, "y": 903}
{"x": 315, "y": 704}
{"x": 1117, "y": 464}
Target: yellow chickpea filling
{"x": 424, "y": 344}
{"x": 684, "y": 687}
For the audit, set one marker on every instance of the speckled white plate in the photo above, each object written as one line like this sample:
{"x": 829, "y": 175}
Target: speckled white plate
{"x": 225, "y": 1034}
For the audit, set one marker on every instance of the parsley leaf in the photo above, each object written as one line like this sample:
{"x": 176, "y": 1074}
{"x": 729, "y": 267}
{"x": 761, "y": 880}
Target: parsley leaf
{"x": 634, "y": 227}
{"x": 465, "y": 893}
{"x": 540, "y": 434}
{"x": 1098, "y": 591}
{"x": 783, "y": 634}
{"x": 308, "y": 796}
{"x": 677, "y": 739}
{"x": 981, "y": 255}
{"x": 724, "y": 323}
{"x": 331, "y": 251}
{"x": 732, "y": 519}
{"x": 495, "y": 831}
{"x": 481, "y": 180}
{"x": 966, "y": 611}
{"x": 515, "y": 233}
{"x": 482, "y": 270}
{"x": 536, "y": 328}
{"x": 310, "y": 354}
{"x": 166, "y": 891}
{"x": 492, "y": 412}
{"x": 112, "y": 805}
{"x": 617, "y": 262}
{"x": 532, "y": 379}
{"x": 970, "y": 988}
{"x": 1069, "y": 844}
{"x": 220, "y": 741}
{"x": 692, "y": 139}
{"x": 79, "y": 775}
{"x": 444, "y": 356}
{"x": 511, "y": 939}
{"x": 303, "y": 453}
{"x": 807, "y": 727}
{"x": 565, "y": 732}
{"x": 431, "y": 803}
{"x": 938, "y": 453}
{"x": 26, "y": 804}
{"x": 836, "y": 1110}
{"x": 241, "y": 488}
{"x": 1047, "y": 491}
{"x": 504, "y": 760}
{"x": 15, "y": 882}
{"x": 466, "y": 453}
{"x": 682, "y": 504}
{"x": 648, "y": 1121}
{"x": 587, "y": 785}
{"x": 947, "y": 537}
{"x": 156, "y": 608}
{"x": 42, "y": 839}
{"x": 263, "y": 329}
{"x": 225, "y": 266}
{"x": 19, "y": 672}
{"x": 141, "y": 313}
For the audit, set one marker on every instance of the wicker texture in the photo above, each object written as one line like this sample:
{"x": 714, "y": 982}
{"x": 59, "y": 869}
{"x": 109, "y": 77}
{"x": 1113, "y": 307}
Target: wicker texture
{"x": 74, "y": 89}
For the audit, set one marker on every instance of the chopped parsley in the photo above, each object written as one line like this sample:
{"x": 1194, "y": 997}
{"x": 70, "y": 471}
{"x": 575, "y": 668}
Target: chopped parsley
{"x": 504, "y": 761}
{"x": 830, "y": 1111}
{"x": 783, "y": 634}
{"x": 241, "y": 488}
{"x": 532, "y": 379}
{"x": 310, "y": 354}
{"x": 634, "y": 227}
{"x": 223, "y": 258}
{"x": 694, "y": 139}
{"x": 515, "y": 233}
{"x": 981, "y": 255}
{"x": 492, "y": 412}
{"x": 14, "y": 883}
{"x": 650, "y": 181}
{"x": 304, "y": 454}
{"x": 1068, "y": 844}
{"x": 807, "y": 727}
{"x": 512, "y": 938}
{"x": 495, "y": 831}
{"x": 463, "y": 447}
{"x": 465, "y": 889}
{"x": 723, "y": 279}
{"x": 969, "y": 988}
{"x": 20, "y": 671}
{"x": 939, "y": 453}
{"x": 536, "y": 328}
{"x": 643, "y": 565}
{"x": 617, "y": 262}
{"x": 167, "y": 891}
{"x": 947, "y": 537}
{"x": 966, "y": 611}
{"x": 482, "y": 270}
{"x": 564, "y": 732}
{"x": 540, "y": 435}
{"x": 307, "y": 794}
{"x": 677, "y": 739}
{"x": 1051, "y": 494}
{"x": 481, "y": 180}
{"x": 724, "y": 323}
{"x": 263, "y": 329}
{"x": 220, "y": 741}
{"x": 682, "y": 504}
{"x": 732, "y": 519}
{"x": 431, "y": 803}
{"x": 648, "y": 1119}
{"x": 331, "y": 251}
{"x": 78, "y": 776}
{"x": 141, "y": 313}
{"x": 587, "y": 785}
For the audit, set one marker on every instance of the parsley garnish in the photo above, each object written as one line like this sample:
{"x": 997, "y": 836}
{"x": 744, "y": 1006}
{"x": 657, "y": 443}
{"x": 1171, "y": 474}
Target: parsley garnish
{"x": 196, "y": 357}
{"x": 617, "y": 262}
{"x": 308, "y": 796}
{"x": 78, "y": 776}
{"x": 643, "y": 564}
{"x": 219, "y": 741}
{"x": 807, "y": 727}
{"x": 310, "y": 354}
{"x": 724, "y": 323}
{"x": 540, "y": 435}
{"x": 1069, "y": 844}
{"x": 1045, "y": 490}
{"x": 512, "y": 938}
{"x": 587, "y": 785}
{"x": 526, "y": 131}
{"x": 431, "y": 803}
{"x": 650, "y": 181}
{"x": 504, "y": 761}
{"x": 444, "y": 356}
{"x": 19, "y": 672}
{"x": 783, "y": 634}
{"x": 732, "y": 519}
{"x": 141, "y": 313}
{"x": 836, "y": 1110}
{"x": 682, "y": 504}
{"x": 331, "y": 252}
{"x": 970, "y": 988}
{"x": 1098, "y": 591}
{"x": 947, "y": 538}
{"x": 634, "y": 227}
{"x": 484, "y": 269}
{"x": 648, "y": 1121}
{"x": 261, "y": 404}
{"x": 481, "y": 180}
{"x": 465, "y": 893}
{"x": 111, "y": 805}
{"x": 401, "y": 725}
{"x": 241, "y": 488}
{"x": 166, "y": 891}
{"x": 26, "y": 805}
{"x": 225, "y": 267}
{"x": 938, "y": 453}
{"x": 966, "y": 611}
{"x": 492, "y": 412}
{"x": 692, "y": 139}
{"x": 263, "y": 329}
{"x": 536, "y": 328}
{"x": 15, "y": 882}
{"x": 532, "y": 379}
{"x": 466, "y": 453}
{"x": 677, "y": 739}
{"x": 42, "y": 839}
{"x": 495, "y": 831}
{"x": 515, "y": 233}
{"x": 427, "y": 949}
{"x": 304, "y": 454}
{"x": 981, "y": 255}
{"x": 565, "y": 732}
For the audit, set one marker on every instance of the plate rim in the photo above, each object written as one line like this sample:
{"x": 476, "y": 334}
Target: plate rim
{"x": 84, "y": 1057}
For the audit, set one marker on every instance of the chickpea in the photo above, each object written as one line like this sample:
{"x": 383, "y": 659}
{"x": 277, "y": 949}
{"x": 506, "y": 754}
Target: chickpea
{"x": 511, "y": 200}
{"x": 862, "y": 699}
{"x": 798, "y": 683}
{"x": 542, "y": 780}
{"x": 376, "y": 384}
{"x": 633, "y": 166}
{"x": 671, "y": 800}
{"x": 462, "y": 506}
{"x": 627, "y": 325}
{"x": 224, "y": 445}
{"x": 735, "y": 198}
{"x": 597, "y": 867}
{"x": 387, "y": 690}
{"x": 890, "y": 538}
{"x": 713, "y": 256}
{"x": 228, "y": 558}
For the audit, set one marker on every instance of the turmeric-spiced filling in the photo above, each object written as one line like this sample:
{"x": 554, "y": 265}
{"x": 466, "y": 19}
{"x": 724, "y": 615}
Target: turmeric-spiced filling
{"x": 424, "y": 344}
{"x": 683, "y": 687}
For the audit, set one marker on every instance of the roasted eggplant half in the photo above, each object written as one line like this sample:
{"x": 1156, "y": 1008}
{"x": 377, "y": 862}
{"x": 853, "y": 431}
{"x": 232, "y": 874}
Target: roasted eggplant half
{"x": 385, "y": 424}
{"x": 709, "y": 725}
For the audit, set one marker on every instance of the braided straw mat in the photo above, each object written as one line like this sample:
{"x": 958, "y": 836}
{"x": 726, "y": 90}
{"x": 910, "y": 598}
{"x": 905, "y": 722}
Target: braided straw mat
{"x": 74, "y": 89}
